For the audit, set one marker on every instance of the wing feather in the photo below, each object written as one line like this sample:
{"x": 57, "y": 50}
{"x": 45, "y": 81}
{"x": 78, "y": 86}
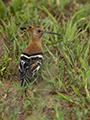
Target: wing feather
{"x": 28, "y": 69}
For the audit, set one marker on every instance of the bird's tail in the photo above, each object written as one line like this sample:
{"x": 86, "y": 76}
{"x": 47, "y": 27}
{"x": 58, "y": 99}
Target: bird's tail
{"x": 25, "y": 81}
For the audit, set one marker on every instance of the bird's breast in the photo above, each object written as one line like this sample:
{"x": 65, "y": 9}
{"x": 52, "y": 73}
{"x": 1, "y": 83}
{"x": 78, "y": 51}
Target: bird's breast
{"x": 33, "y": 48}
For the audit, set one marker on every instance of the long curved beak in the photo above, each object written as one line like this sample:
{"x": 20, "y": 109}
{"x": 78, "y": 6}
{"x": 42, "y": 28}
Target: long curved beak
{"x": 49, "y": 32}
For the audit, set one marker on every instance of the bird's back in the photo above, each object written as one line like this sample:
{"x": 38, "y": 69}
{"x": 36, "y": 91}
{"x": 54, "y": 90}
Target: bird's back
{"x": 29, "y": 65}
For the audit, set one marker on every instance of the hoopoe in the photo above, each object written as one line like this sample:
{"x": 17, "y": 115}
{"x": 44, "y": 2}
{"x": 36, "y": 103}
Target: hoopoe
{"x": 32, "y": 56}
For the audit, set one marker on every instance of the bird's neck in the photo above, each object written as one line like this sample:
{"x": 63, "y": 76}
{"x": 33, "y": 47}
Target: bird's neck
{"x": 33, "y": 48}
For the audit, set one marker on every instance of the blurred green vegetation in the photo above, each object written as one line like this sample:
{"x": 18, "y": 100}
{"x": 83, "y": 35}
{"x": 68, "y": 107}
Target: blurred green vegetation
{"x": 66, "y": 67}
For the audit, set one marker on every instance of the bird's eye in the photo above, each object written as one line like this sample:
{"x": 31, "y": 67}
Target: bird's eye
{"x": 39, "y": 30}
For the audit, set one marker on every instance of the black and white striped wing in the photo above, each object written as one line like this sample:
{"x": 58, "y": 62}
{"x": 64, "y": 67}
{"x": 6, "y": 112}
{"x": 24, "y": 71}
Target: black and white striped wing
{"x": 29, "y": 65}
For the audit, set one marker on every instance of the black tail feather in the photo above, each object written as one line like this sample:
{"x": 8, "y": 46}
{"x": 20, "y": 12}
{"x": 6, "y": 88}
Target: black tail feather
{"x": 25, "y": 81}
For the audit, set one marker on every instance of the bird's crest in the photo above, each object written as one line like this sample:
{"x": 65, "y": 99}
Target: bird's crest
{"x": 30, "y": 28}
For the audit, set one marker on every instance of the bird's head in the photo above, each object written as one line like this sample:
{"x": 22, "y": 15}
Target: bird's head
{"x": 37, "y": 32}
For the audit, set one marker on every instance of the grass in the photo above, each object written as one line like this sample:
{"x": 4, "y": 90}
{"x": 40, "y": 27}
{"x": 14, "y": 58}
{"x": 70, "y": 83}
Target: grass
{"x": 64, "y": 90}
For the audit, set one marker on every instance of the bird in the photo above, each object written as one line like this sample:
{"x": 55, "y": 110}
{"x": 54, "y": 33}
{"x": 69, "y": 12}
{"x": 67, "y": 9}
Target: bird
{"x": 32, "y": 56}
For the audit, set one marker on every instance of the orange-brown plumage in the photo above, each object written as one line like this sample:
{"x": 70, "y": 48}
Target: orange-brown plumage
{"x": 33, "y": 47}
{"x": 35, "y": 44}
